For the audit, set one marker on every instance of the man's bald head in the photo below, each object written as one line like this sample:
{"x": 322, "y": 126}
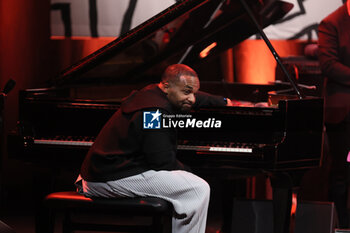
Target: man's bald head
{"x": 173, "y": 73}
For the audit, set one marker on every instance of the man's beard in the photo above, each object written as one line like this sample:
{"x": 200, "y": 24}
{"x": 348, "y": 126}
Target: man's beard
{"x": 185, "y": 108}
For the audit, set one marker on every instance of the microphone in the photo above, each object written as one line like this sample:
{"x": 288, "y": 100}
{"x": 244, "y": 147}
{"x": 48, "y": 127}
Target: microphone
{"x": 9, "y": 86}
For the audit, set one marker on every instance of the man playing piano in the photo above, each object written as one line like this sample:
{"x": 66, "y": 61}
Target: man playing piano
{"x": 129, "y": 160}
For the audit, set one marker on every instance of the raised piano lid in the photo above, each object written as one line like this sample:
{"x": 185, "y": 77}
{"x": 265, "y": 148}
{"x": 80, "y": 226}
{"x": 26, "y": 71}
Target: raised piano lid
{"x": 176, "y": 35}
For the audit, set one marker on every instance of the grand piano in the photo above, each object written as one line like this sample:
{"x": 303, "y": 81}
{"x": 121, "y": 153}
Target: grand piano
{"x": 58, "y": 124}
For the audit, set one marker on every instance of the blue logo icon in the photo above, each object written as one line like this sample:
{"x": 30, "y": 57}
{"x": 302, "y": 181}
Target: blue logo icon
{"x": 151, "y": 119}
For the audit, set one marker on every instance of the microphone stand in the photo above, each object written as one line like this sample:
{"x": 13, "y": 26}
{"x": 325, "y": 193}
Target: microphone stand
{"x": 8, "y": 87}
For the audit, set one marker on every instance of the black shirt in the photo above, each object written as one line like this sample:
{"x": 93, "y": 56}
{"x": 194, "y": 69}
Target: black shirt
{"x": 123, "y": 148}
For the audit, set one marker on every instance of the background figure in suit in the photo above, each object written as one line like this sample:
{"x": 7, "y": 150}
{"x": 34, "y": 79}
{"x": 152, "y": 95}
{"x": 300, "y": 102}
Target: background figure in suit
{"x": 334, "y": 56}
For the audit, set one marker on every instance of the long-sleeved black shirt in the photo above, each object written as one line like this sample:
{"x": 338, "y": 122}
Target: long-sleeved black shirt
{"x": 123, "y": 148}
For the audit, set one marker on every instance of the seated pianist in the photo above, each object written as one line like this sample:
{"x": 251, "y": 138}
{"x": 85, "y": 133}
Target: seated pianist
{"x": 127, "y": 160}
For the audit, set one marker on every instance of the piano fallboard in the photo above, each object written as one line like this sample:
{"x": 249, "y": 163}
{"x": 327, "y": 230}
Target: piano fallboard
{"x": 286, "y": 137}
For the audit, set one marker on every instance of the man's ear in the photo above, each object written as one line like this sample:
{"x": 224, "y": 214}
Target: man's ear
{"x": 164, "y": 86}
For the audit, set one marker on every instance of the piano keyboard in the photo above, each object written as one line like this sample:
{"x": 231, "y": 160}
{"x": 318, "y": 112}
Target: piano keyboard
{"x": 204, "y": 147}
{"x": 215, "y": 149}
{"x": 63, "y": 142}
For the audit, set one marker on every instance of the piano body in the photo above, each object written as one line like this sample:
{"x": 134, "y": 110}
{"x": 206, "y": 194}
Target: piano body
{"x": 59, "y": 123}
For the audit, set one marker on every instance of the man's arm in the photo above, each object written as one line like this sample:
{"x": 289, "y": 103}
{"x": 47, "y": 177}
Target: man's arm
{"x": 204, "y": 99}
{"x": 329, "y": 56}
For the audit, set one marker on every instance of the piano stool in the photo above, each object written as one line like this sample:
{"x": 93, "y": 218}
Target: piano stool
{"x": 157, "y": 210}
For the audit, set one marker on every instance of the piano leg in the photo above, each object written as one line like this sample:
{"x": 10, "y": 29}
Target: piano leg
{"x": 282, "y": 186}
{"x": 231, "y": 189}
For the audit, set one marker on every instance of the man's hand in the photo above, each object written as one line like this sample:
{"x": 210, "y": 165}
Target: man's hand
{"x": 228, "y": 102}
{"x": 240, "y": 103}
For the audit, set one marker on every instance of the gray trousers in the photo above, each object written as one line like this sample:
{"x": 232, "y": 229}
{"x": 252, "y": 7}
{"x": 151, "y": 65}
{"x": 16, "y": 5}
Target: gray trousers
{"x": 188, "y": 193}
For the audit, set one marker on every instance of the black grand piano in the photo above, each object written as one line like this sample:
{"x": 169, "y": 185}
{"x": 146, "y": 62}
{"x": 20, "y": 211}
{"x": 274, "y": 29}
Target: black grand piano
{"x": 59, "y": 123}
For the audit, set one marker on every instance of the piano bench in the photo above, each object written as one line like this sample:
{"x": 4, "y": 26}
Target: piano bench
{"x": 90, "y": 212}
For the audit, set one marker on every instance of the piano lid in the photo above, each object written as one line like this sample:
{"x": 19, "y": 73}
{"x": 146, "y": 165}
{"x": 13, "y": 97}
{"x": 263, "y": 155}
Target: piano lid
{"x": 176, "y": 35}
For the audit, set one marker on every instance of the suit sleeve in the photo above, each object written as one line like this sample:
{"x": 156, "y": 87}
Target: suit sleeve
{"x": 329, "y": 54}
{"x": 204, "y": 99}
